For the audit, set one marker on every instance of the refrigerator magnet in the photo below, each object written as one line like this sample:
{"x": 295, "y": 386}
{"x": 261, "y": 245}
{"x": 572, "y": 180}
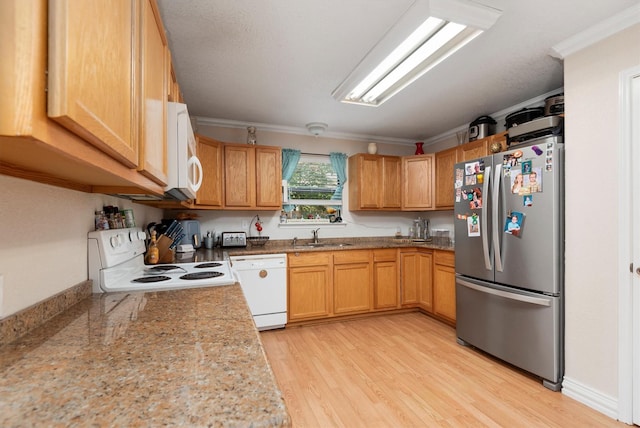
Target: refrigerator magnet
{"x": 472, "y": 168}
{"x": 473, "y": 225}
{"x": 459, "y": 178}
{"x": 513, "y": 224}
{"x": 533, "y": 180}
{"x": 527, "y": 200}
{"x": 458, "y": 195}
{"x": 536, "y": 150}
{"x": 526, "y": 167}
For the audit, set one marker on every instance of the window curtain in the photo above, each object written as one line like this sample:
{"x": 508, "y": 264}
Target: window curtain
{"x": 290, "y": 158}
{"x": 339, "y": 164}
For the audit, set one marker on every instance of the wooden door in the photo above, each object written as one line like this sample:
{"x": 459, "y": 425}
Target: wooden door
{"x": 364, "y": 178}
{"x": 475, "y": 149}
{"x": 409, "y": 277}
{"x": 210, "y": 153}
{"x": 444, "y": 285}
{"x": 444, "y": 292}
{"x": 419, "y": 176}
{"x": 153, "y": 99}
{"x": 385, "y": 279}
{"x": 309, "y": 286}
{"x": 351, "y": 281}
{"x": 268, "y": 177}
{"x": 391, "y": 182}
{"x": 92, "y": 73}
{"x": 445, "y": 162}
{"x": 239, "y": 176}
{"x": 425, "y": 280}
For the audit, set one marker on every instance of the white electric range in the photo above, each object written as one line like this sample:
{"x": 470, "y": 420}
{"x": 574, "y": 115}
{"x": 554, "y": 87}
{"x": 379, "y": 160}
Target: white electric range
{"x": 116, "y": 263}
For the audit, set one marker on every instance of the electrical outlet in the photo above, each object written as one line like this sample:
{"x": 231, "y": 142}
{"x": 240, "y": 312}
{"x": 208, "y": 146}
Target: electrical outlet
{"x": 245, "y": 224}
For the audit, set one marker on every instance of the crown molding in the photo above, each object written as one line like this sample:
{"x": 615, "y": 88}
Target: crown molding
{"x": 598, "y": 32}
{"x": 225, "y": 123}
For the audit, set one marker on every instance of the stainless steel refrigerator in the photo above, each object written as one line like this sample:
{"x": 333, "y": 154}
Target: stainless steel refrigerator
{"x": 509, "y": 239}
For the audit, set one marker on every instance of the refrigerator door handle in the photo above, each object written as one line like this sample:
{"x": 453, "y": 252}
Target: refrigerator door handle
{"x": 512, "y": 296}
{"x": 484, "y": 222}
{"x": 497, "y": 198}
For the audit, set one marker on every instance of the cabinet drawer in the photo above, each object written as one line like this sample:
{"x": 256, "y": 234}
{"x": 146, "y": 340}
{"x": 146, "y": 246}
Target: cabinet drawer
{"x": 446, "y": 258}
{"x": 355, "y": 256}
{"x": 387, "y": 255}
{"x": 309, "y": 259}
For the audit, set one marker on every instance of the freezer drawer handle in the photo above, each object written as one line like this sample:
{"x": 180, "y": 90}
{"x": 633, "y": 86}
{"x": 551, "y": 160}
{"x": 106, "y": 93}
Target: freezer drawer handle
{"x": 506, "y": 295}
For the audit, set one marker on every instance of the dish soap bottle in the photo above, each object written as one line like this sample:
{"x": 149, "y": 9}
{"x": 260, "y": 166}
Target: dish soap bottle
{"x": 153, "y": 253}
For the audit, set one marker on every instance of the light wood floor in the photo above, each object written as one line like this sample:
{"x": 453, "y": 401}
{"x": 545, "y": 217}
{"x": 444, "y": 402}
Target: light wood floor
{"x": 407, "y": 370}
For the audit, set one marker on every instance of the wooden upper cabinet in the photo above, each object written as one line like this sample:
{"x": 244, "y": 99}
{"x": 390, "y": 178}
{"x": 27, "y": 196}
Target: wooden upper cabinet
{"x": 268, "y": 177}
{"x": 153, "y": 100}
{"x": 252, "y": 177}
{"x": 210, "y": 153}
{"x": 92, "y": 73}
{"x": 239, "y": 176}
{"x": 391, "y": 182}
{"x": 374, "y": 182}
{"x": 475, "y": 149}
{"x": 418, "y": 182}
{"x": 445, "y": 161}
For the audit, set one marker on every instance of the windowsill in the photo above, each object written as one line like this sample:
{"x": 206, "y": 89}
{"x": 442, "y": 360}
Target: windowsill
{"x": 307, "y": 223}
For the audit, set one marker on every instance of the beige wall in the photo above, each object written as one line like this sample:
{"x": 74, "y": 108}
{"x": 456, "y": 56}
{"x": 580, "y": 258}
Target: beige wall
{"x": 592, "y": 140}
{"x": 43, "y": 245}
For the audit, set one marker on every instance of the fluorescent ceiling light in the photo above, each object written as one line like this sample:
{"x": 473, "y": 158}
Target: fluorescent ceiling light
{"x": 434, "y": 40}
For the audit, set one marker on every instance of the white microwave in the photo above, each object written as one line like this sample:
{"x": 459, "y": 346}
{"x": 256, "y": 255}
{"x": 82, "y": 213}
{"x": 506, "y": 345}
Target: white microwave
{"x": 184, "y": 170}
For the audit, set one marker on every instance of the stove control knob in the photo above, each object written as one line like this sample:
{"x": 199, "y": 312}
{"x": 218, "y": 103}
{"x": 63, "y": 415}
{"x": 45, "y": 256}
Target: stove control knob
{"x": 114, "y": 241}
{"x": 133, "y": 236}
{"x": 141, "y": 235}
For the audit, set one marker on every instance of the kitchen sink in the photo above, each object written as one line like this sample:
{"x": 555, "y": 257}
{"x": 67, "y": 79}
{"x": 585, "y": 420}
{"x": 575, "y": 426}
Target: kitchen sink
{"x": 324, "y": 244}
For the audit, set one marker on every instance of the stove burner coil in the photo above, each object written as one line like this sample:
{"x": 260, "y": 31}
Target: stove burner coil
{"x": 201, "y": 275}
{"x": 163, "y": 268}
{"x": 155, "y": 278}
{"x": 208, "y": 265}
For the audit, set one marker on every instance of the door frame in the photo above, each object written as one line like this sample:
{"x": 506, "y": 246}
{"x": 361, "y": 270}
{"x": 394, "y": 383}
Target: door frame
{"x": 629, "y": 257}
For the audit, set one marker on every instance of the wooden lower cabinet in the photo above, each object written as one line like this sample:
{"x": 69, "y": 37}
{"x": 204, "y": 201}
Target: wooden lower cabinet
{"x": 385, "y": 279}
{"x": 352, "y": 282}
{"x": 328, "y": 284}
{"x": 444, "y": 285}
{"x": 341, "y": 283}
{"x": 309, "y": 286}
{"x": 416, "y": 278}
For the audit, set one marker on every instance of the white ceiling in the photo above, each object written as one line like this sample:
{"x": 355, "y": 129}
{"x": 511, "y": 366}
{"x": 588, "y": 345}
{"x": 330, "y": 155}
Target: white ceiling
{"x": 276, "y": 62}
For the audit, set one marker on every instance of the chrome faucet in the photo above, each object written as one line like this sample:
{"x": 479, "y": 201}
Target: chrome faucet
{"x": 295, "y": 241}
{"x": 315, "y": 235}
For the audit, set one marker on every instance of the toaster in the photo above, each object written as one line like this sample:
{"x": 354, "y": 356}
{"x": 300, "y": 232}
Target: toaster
{"x": 233, "y": 239}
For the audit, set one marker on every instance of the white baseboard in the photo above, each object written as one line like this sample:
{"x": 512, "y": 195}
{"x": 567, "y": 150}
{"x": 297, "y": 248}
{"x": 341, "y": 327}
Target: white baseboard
{"x": 590, "y": 397}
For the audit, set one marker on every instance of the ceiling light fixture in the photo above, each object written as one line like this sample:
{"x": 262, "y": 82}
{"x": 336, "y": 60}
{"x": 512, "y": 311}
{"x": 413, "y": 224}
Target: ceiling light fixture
{"x": 450, "y": 25}
{"x": 316, "y": 128}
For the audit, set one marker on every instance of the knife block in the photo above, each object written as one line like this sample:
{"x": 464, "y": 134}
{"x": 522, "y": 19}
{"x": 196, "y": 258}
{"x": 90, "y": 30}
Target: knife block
{"x": 167, "y": 255}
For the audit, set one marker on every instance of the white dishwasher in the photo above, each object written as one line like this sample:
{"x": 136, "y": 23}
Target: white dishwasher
{"x": 263, "y": 279}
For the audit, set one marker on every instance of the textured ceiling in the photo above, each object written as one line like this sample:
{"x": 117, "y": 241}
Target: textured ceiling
{"x": 276, "y": 62}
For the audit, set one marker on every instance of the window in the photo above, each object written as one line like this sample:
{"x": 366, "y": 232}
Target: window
{"x": 313, "y": 184}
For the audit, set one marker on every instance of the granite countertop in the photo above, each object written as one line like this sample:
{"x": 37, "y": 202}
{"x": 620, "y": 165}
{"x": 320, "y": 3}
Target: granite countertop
{"x": 338, "y": 244}
{"x": 329, "y": 244}
{"x": 183, "y": 358}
